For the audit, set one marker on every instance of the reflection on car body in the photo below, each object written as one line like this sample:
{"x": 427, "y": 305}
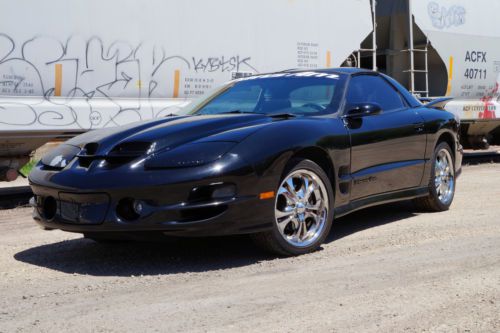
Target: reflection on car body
{"x": 277, "y": 156}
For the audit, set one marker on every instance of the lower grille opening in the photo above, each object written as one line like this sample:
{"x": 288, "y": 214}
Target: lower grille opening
{"x": 212, "y": 192}
{"x": 200, "y": 214}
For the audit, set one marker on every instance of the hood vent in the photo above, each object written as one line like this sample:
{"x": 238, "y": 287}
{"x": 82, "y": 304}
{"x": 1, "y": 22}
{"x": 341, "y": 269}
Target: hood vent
{"x": 88, "y": 154}
{"x": 120, "y": 154}
{"x": 131, "y": 148}
{"x": 90, "y": 148}
{"x": 128, "y": 151}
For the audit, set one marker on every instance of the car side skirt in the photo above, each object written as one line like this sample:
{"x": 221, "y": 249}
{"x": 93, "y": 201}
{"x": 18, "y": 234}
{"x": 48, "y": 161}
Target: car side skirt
{"x": 381, "y": 199}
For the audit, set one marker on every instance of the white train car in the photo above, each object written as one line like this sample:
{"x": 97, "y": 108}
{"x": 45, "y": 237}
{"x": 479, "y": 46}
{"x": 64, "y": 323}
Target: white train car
{"x": 72, "y": 66}
{"x": 69, "y": 67}
{"x": 449, "y": 48}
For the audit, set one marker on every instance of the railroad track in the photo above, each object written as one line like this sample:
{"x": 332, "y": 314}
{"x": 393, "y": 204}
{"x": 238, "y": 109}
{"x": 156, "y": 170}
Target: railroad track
{"x": 20, "y": 196}
{"x": 475, "y": 158}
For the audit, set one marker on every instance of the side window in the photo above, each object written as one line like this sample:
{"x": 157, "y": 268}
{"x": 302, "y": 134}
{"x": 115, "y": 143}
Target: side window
{"x": 374, "y": 89}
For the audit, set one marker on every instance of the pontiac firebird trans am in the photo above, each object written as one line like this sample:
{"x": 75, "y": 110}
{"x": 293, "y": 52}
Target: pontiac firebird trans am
{"x": 276, "y": 156}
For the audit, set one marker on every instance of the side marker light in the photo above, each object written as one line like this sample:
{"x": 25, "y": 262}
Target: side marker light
{"x": 266, "y": 195}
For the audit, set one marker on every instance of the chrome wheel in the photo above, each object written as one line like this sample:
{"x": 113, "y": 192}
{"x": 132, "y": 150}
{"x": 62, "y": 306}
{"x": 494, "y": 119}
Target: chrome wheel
{"x": 301, "y": 208}
{"x": 444, "y": 176}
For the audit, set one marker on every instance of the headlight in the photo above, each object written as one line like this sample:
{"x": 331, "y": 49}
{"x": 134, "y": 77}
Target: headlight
{"x": 60, "y": 157}
{"x": 190, "y": 155}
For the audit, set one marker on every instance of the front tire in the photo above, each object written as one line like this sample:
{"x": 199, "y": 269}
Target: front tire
{"x": 303, "y": 211}
{"x": 442, "y": 182}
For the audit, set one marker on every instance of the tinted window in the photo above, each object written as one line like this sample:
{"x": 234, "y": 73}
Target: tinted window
{"x": 313, "y": 94}
{"x": 300, "y": 93}
{"x": 243, "y": 98}
{"x": 373, "y": 89}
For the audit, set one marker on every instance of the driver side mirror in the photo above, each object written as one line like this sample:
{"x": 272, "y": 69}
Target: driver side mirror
{"x": 363, "y": 110}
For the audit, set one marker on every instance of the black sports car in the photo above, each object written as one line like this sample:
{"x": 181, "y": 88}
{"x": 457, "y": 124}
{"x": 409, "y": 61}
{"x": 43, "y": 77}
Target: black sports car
{"x": 278, "y": 156}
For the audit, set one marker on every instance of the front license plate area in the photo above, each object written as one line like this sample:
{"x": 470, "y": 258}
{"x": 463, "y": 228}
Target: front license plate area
{"x": 70, "y": 211}
{"x": 78, "y": 208}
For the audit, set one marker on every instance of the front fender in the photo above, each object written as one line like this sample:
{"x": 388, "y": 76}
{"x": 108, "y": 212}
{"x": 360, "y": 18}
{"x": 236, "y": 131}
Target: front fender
{"x": 271, "y": 148}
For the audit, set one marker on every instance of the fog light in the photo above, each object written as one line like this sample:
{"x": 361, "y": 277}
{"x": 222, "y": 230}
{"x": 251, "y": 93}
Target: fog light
{"x": 224, "y": 191}
{"x": 126, "y": 209}
{"x": 138, "y": 207}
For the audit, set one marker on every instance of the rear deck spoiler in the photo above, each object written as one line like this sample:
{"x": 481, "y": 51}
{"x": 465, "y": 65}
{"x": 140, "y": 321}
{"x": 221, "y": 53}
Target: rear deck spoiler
{"x": 436, "y": 103}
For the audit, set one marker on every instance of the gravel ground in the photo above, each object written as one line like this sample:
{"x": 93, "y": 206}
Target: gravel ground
{"x": 383, "y": 269}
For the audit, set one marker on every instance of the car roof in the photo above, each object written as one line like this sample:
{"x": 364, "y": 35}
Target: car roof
{"x": 338, "y": 70}
{"x": 412, "y": 100}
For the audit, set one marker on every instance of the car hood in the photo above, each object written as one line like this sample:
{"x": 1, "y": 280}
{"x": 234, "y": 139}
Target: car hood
{"x": 168, "y": 133}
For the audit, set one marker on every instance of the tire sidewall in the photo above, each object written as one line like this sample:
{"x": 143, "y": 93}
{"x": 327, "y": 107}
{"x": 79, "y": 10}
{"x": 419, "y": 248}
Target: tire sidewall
{"x": 304, "y": 164}
{"x": 433, "y": 191}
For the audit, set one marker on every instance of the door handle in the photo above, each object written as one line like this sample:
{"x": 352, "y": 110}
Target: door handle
{"x": 419, "y": 127}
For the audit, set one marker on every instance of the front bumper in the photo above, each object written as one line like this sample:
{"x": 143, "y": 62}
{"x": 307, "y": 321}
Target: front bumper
{"x": 73, "y": 201}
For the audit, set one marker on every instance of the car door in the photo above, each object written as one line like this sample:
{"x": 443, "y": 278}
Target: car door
{"x": 388, "y": 147}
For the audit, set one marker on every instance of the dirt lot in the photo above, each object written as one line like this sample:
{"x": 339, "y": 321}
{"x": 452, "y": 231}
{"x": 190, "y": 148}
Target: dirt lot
{"x": 383, "y": 269}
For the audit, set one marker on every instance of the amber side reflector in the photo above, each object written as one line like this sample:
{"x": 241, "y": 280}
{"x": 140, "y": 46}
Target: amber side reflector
{"x": 266, "y": 195}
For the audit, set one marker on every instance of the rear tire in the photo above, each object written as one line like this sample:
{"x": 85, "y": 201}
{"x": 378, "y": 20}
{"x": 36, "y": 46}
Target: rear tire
{"x": 442, "y": 182}
{"x": 303, "y": 211}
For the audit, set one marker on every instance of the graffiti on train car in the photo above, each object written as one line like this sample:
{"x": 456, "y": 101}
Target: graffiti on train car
{"x": 443, "y": 17}
{"x": 86, "y": 71}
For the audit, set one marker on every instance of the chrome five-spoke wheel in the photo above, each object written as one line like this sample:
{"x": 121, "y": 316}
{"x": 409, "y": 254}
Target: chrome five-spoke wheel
{"x": 301, "y": 208}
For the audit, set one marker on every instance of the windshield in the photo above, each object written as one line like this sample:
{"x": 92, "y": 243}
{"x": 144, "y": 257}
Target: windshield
{"x": 304, "y": 93}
